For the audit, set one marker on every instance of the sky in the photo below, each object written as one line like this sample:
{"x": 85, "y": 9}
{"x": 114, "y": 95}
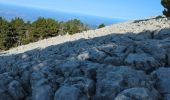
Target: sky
{"x": 125, "y": 9}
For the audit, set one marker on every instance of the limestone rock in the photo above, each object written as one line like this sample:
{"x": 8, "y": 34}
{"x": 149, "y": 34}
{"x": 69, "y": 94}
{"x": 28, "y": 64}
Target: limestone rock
{"x": 142, "y": 62}
{"x": 113, "y": 80}
{"x": 137, "y": 94}
{"x": 43, "y": 92}
{"x": 162, "y": 80}
{"x": 16, "y": 91}
{"x": 67, "y": 92}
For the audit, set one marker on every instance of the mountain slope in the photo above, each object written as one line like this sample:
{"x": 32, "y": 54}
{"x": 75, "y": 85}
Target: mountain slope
{"x": 137, "y": 26}
{"x": 126, "y": 61}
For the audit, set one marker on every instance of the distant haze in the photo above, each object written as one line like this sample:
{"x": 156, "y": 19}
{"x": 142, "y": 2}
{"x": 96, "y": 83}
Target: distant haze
{"x": 31, "y": 14}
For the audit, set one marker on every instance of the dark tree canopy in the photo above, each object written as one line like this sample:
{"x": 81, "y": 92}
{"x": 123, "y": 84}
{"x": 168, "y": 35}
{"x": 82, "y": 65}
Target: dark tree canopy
{"x": 101, "y": 26}
{"x": 18, "y": 32}
{"x": 166, "y": 5}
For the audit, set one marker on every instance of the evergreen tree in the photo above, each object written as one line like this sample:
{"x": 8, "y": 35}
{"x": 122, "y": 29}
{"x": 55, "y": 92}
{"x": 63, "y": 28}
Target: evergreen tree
{"x": 166, "y": 5}
{"x": 4, "y": 25}
{"x": 17, "y": 32}
{"x": 101, "y": 26}
{"x": 11, "y": 37}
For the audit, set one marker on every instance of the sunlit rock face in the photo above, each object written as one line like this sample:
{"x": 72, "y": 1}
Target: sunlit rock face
{"x": 127, "y": 61}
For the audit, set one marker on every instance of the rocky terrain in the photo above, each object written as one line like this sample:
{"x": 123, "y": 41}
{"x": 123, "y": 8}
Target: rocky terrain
{"x": 126, "y": 61}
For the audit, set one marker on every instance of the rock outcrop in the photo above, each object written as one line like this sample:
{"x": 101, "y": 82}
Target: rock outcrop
{"x": 132, "y": 63}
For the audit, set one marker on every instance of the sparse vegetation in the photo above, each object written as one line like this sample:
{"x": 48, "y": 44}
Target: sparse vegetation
{"x": 18, "y": 32}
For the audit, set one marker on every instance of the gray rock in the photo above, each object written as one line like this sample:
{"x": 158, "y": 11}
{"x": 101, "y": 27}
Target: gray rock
{"x": 5, "y": 96}
{"x": 43, "y": 92}
{"x": 155, "y": 49}
{"x": 162, "y": 34}
{"x": 144, "y": 36}
{"x": 117, "y": 61}
{"x": 162, "y": 80}
{"x": 118, "y": 55}
{"x": 137, "y": 94}
{"x": 92, "y": 54}
{"x": 84, "y": 84}
{"x": 67, "y": 92}
{"x": 93, "y": 66}
{"x": 168, "y": 57}
{"x": 83, "y": 56}
{"x": 5, "y": 78}
{"x": 112, "y": 80}
{"x": 67, "y": 67}
{"x": 166, "y": 97}
{"x": 25, "y": 81}
{"x": 35, "y": 78}
{"x": 107, "y": 48}
{"x": 142, "y": 62}
{"x": 16, "y": 91}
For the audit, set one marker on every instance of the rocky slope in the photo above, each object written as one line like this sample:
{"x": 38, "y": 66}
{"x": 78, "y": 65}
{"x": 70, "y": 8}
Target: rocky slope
{"x": 126, "y": 61}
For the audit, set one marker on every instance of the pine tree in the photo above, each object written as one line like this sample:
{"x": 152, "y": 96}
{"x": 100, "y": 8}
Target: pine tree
{"x": 101, "y": 26}
{"x": 166, "y": 5}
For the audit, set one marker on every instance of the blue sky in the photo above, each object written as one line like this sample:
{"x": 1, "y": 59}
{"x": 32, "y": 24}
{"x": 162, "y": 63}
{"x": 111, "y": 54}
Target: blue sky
{"x": 127, "y": 9}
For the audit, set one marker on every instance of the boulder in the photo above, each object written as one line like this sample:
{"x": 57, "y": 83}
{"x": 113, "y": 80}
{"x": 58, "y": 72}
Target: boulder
{"x": 143, "y": 35}
{"x": 155, "y": 49}
{"x": 142, "y": 61}
{"x": 162, "y": 33}
{"x": 116, "y": 55}
{"x": 25, "y": 81}
{"x": 89, "y": 69}
{"x": 166, "y": 97}
{"x": 15, "y": 90}
{"x": 35, "y": 78}
{"x": 162, "y": 80}
{"x": 92, "y": 54}
{"x": 67, "y": 92}
{"x": 67, "y": 67}
{"x": 107, "y": 48}
{"x": 137, "y": 93}
{"x": 86, "y": 85}
{"x": 43, "y": 92}
{"x": 5, "y": 96}
{"x": 5, "y": 78}
{"x": 112, "y": 80}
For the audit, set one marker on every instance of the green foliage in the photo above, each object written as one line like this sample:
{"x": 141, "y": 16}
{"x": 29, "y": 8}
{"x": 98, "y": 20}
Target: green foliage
{"x": 44, "y": 28}
{"x": 3, "y": 30}
{"x": 101, "y": 26}
{"x": 18, "y": 32}
{"x": 74, "y": 26}
{"x": 166, "y": 5}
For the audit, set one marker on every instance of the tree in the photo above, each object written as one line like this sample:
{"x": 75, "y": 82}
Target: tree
{"x": 75, "y": 26}
{"x": 18, "y": 32}
{"x": 11, "y": 37}
{"x": 4, "y": 25}
{"x": 101, "y": 26}
{"x": 44, "y": 28}
{"x": 166, "y": 5}
{"x": 18, "y": 27}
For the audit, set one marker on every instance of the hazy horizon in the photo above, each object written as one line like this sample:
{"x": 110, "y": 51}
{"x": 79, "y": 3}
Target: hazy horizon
{"x": 92, "y": 13}
{"x": 31, "y": 14}
{"x": 129, "y": 9}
